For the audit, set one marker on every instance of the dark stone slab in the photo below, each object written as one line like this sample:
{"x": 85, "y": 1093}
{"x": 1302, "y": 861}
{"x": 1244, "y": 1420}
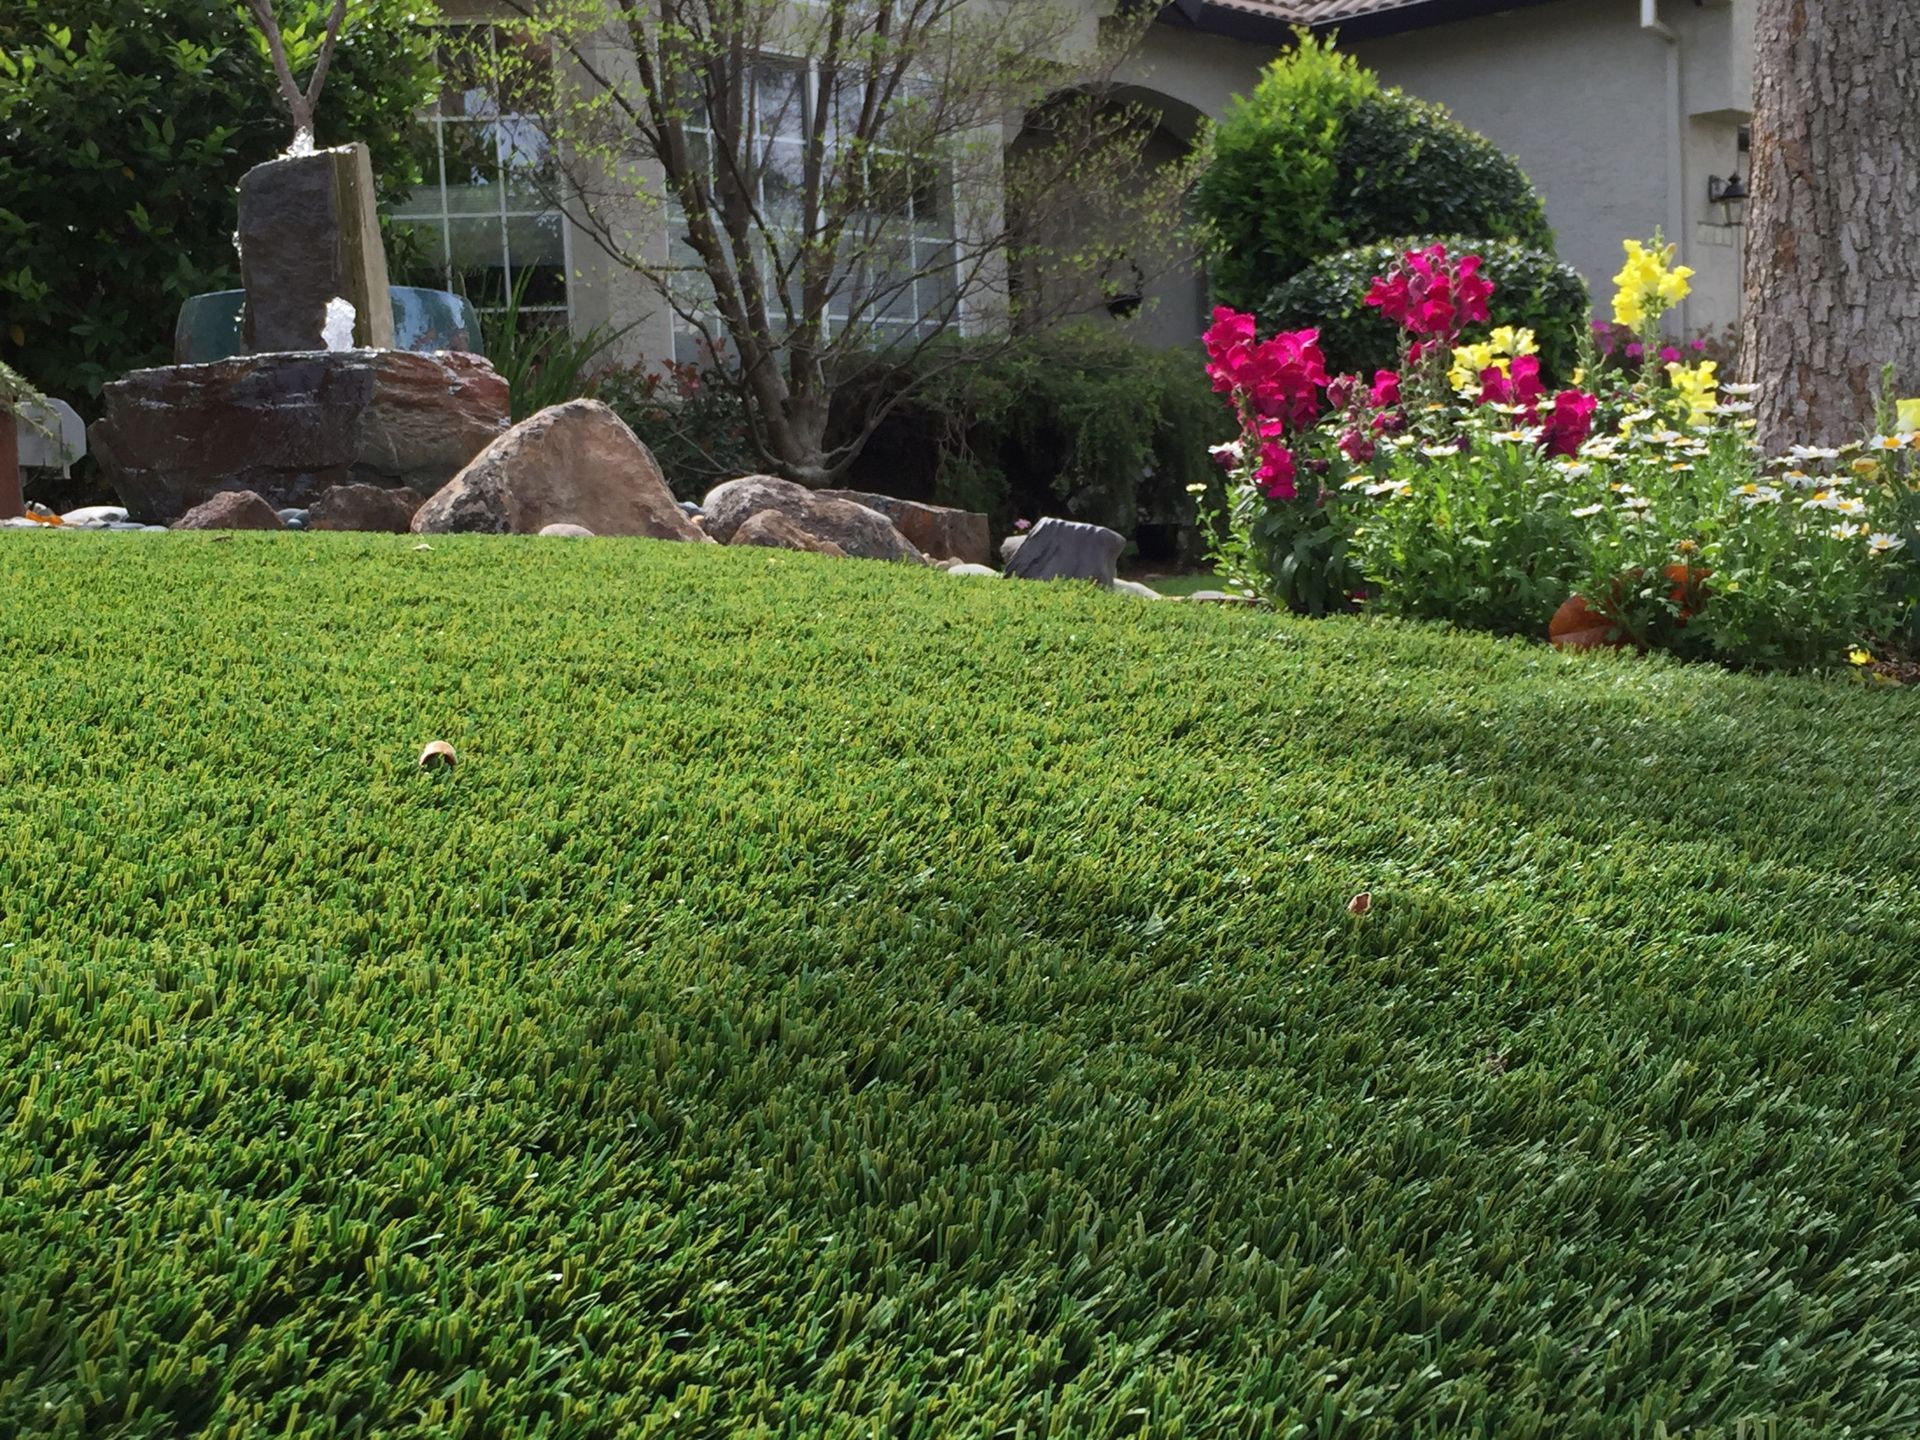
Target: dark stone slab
{"x": 292, "y": 426}
{"x": 308, "y": 233}
{"x": 1068, "y": 550}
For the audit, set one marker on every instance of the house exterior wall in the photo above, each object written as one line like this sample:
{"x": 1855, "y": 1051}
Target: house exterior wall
{"x": 1585, "y": 100}
{"x": 1617, "y": 127}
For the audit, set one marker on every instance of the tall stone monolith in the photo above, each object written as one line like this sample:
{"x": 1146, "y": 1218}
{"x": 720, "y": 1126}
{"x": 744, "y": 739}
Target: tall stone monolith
{"x": 308, "y": 233}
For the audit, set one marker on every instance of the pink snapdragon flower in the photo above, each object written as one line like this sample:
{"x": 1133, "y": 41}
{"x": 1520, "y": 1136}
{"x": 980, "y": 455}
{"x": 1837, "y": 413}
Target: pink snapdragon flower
{"x": 1427, "y": 294}
{"x": 1565, "y": 427}
{"x": 1281, "y": 378}
{"x": 1519, "y": 384}
{"x": 1386, "y": 389}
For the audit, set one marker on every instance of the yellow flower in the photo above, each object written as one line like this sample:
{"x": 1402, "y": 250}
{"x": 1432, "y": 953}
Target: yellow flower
{"x": 1696, "y": 386}
{"x": 1468, "y": 363}
{"x": 1908, "y": 413}
{"x": 1859, "y": 656}
{"x": 1507, "y": 340}
{"x": 1648, "y": 285}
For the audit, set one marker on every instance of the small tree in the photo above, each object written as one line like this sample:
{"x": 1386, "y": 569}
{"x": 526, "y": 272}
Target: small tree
{"x": 300, "y": 103}
{"x": 835, "y": 182}
{"x": 1833, "y": 263}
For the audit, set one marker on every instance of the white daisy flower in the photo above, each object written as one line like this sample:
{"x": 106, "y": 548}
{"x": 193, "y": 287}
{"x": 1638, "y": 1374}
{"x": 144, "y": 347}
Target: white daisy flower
{"x": 1881, "y": 543}
{"x": 1587, "y": 510}
{"x": 1846, "y": 532}
{"x": 1740, "y": 389}
{"x": 1812, "y": 452}
{"x": 1395, "y": 488}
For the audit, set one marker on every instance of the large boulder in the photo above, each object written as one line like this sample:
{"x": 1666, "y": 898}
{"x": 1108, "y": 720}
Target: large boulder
{"x": 854, "y": 528}
{"x": 572, "y": 464}
{"x": 231, "y": 510}
{"x": 291, "y": 426}
{"x": 1058, "y": 549}
{"x": 937, "y": 531}
{"x": 779, "y": 532}
{"x": 363, "y": 507}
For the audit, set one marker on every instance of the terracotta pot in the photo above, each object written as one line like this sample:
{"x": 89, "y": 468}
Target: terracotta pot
{"x": 1576, "y": 627}
{"x": 11, "y": 502}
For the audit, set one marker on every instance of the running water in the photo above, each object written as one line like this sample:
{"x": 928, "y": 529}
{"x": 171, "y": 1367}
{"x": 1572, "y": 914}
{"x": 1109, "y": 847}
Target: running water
{"x": 336, "y": 332}
{"x": 302, "y": 144}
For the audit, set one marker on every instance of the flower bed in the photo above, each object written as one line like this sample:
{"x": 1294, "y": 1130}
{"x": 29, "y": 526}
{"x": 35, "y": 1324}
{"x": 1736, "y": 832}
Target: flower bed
{"x": 1459, "y": 488}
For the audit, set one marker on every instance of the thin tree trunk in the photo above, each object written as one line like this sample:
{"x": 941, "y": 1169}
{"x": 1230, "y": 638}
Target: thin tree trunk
{"x": 1832, "y": 285}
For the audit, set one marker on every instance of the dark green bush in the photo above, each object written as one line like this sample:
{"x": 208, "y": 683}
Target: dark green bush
{"x": 1084, "y": 423}
{"x": 125, "y": 126}
{"x": 1531, "y": 288}
{"x": 1321, "y": 158}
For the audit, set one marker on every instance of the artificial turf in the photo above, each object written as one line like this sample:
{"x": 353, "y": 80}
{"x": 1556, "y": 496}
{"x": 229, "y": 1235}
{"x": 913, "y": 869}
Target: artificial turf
{"x": 829, "y": 998}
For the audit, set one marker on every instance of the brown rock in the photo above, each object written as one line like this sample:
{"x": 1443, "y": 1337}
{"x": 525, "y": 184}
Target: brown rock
{"x": 289, "y": 427}
{"x": 854, "y": 528}
{"x": 364, "y": 507}
{"x": 938, "y": 531}
{"x": 773, "y": 529}
{"x": 576, "y": 464}
{"x": 231, "y": 510}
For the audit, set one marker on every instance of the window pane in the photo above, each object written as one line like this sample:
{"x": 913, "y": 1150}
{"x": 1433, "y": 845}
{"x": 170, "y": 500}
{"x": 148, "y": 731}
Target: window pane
{"x": 477, "y": 255}
{"x": 417, "y": 252}
{"x": 473, "y": 168}
{"x": 535, "y": 239}
{"x": 780, "y": 93}
{"x": 528, "y": 163}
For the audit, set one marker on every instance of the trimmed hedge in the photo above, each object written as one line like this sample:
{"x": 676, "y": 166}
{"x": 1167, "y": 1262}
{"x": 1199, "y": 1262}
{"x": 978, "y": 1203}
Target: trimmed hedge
{"x": 1320, "y": 158}
{"x": 1531, "y": 288}
{"x": 834, "y": 999}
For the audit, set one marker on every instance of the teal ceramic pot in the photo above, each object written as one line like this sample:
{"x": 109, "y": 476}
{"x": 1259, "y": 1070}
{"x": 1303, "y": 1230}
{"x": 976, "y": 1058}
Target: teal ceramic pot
{"x": 209, "y": 325}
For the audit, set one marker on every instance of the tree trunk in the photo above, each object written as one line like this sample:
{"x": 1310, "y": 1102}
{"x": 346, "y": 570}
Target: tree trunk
{"x": 1832, "y": 285}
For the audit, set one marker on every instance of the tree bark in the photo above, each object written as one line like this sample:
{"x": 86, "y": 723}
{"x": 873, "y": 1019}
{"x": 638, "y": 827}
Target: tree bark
{"x": 1832, "y": 282}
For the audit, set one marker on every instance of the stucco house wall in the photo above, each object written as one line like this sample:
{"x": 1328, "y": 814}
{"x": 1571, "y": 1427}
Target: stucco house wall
{"x": 1618, "y": 127}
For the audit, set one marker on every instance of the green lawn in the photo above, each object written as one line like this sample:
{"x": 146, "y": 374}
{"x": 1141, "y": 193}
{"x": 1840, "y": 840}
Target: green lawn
{"x": 835, "y": 999}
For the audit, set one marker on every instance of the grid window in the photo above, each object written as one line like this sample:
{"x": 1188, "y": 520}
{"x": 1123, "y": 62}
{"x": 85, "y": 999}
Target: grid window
{"x": 914, "y": 239}
{"x": 482, "y": 220}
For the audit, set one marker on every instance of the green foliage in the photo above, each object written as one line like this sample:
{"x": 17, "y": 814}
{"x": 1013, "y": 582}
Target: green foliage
{"x": 541, "y": 359}
{"x": 128, "y": 124}
{"x": 1321, "y": 159}
{"x": 833, "y": 999}
{"x": 1082, "y": 422}
{"x": 1268, "y": 196}
{"x": 696, "y": 429}
{"x": 1483, "y": 539}
{"x": 1531, "y": 289}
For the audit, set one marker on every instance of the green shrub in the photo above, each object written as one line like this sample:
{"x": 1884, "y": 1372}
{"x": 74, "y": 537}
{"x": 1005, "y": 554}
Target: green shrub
{"x": 125, "y": 126}
{"x": 1320, "y": 159}
{"x": 697, "y": 430}
{"x": 1531, "y": 289}
{"x": 1084, "y": 423}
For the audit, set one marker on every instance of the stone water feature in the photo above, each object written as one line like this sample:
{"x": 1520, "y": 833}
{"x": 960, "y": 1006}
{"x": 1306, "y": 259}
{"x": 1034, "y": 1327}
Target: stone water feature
{"x": 293, "y": 416}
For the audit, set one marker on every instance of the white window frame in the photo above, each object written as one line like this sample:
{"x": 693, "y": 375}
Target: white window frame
{"x": 441, "y": 218}
{"x": 809, "y": 69}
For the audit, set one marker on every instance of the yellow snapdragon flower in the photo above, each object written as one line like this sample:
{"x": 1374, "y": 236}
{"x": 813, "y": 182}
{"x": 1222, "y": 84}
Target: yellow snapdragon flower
{"x": 1648, "y": 285}
{"x": 1908, "y": 413}
{"x": 1469, "y": 361}
{"x": 1512, "y": 340}
{"x": 1695, "y": 385}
